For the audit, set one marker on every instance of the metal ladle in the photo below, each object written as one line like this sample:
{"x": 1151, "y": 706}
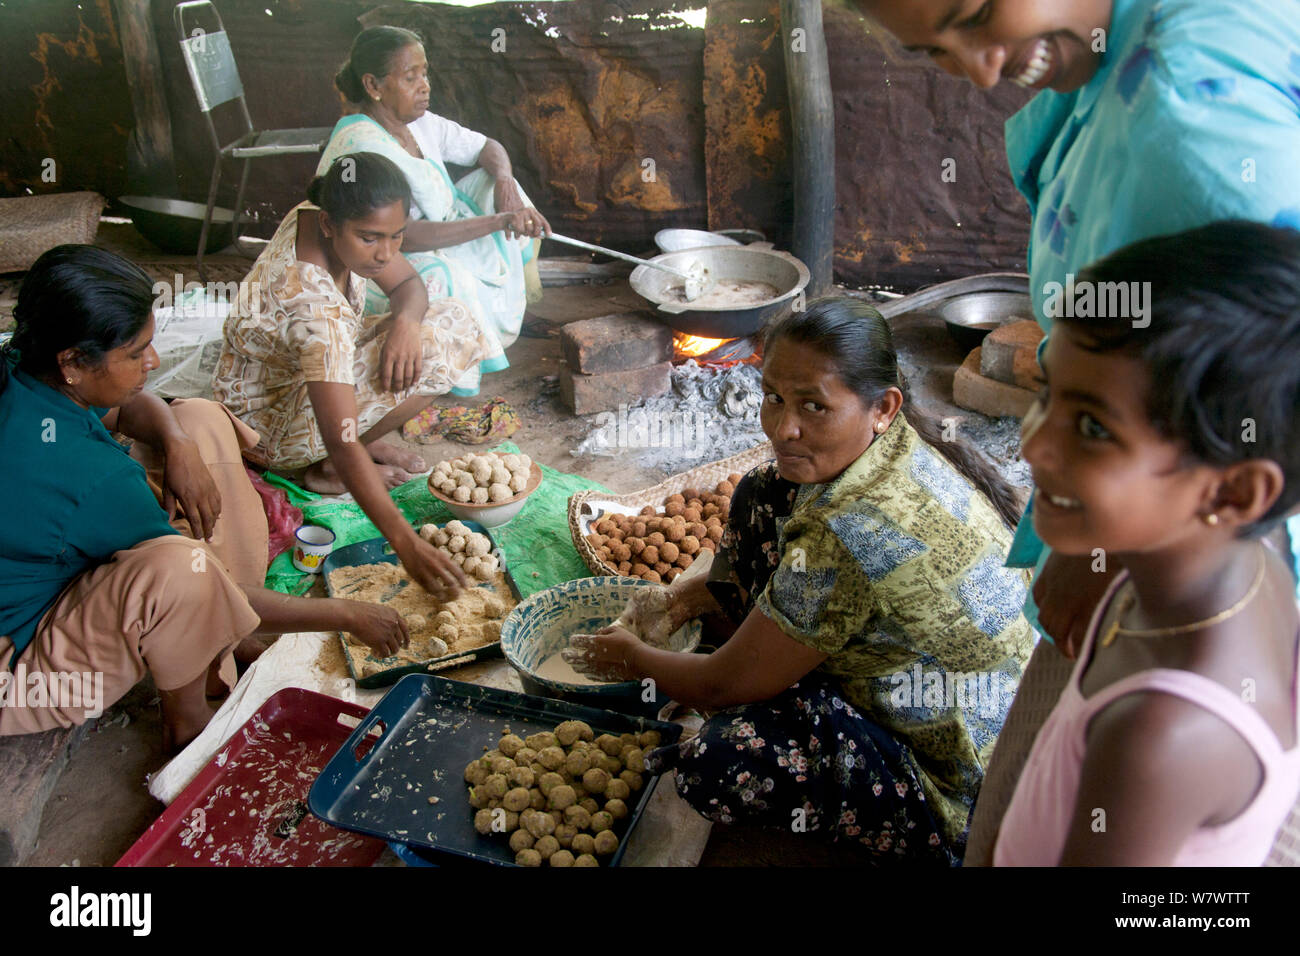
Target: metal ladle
{"x": 696, "y": 280}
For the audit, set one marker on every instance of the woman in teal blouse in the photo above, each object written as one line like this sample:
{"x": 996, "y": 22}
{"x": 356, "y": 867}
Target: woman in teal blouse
{"x": 1152, "y": 117}
{"x": 96, "y": 585}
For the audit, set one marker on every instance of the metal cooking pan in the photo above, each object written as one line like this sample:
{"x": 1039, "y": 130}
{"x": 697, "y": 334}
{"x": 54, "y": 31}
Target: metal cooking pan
{"x": 758, "y": 262}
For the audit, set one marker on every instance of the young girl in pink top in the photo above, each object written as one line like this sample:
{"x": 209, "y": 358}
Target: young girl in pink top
{"x": 1166, "y": 442}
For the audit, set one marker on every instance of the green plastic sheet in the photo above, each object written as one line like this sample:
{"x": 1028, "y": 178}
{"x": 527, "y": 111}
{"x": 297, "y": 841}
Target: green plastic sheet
{"x": 537, "y": 545}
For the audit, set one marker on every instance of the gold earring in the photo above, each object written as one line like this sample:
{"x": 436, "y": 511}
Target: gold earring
{"x": 1211, "y": 519}
{"x": 69, "y": 381}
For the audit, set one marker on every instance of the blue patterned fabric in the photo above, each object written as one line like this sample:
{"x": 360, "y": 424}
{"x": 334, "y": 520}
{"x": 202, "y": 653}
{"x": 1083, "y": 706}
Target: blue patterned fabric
{"x": 1192, "y": 117}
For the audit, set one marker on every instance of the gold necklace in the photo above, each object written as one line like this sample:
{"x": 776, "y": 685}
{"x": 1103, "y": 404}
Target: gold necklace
{"x": 1114, "y": 630}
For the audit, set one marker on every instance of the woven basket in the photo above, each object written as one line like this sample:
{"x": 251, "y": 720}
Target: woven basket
{"x": 32, "y": 225}
{"x": 582, "y": 515}
{"x": 1040, "y": 687}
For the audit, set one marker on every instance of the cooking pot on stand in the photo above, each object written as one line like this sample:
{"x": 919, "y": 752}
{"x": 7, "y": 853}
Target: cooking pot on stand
{"x": 757, "y": 262}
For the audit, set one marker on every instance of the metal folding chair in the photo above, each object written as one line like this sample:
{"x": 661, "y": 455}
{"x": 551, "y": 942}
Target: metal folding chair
{"x": 215, "y": 79}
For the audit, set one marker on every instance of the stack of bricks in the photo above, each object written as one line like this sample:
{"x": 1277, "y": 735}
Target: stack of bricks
{"x": 1001, "y": 377}
{"x": 614, "y": 360}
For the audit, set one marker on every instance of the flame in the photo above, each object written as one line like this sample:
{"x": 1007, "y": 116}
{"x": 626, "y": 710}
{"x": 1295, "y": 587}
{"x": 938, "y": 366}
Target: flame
{"x": 695, "y": 345}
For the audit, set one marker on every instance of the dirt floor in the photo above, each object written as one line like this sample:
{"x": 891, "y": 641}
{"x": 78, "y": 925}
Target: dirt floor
{"x": 101, "y": 806}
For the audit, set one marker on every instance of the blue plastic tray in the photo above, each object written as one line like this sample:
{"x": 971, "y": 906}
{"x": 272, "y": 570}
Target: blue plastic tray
{"x": 379, "y": 551}
{"x": 415, "y": 745}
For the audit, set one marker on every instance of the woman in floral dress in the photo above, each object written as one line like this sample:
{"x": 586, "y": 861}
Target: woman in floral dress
{"x": 880, "y": 638}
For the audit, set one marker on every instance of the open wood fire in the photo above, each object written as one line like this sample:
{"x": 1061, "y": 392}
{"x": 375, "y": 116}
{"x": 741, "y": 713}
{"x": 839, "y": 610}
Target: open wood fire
{"x": 719, "y": 352}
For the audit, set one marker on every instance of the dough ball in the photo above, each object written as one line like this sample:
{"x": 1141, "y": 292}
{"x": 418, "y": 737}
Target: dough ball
{"x": 464, "y": 479}
{"x": 471, "y": 564}
{"x": 552, "y": 758}
{"x": 674, "y": 508}
{"x": 518, "y": 482}
{"x": 517, "y": 799}
{"x": 634, "y": 759}
{"x": 482, "y": 472}
{"x": 478, "y": 544}
{"x": 595, "y": 780}
{"x": 478, "y": 496}
{"x": 561, "y": 858}
{"x": 615, "y": 808}
{"x": 546, "y": 846}
{"x": 601, "y": 820}
{"x": 577, "y": 816}
{"x": 494, "y": 607}
{"x": 529, "y": 857}
{"x": 632, "y": 779}
{"x": 668, "y": 552}
{"x": 583, "y": 843}
{"x": 525, "y": 462}
{"x": 510, "y": 461}
{"x": 478, "y": 797}
{"x": 484, "y": 569}
{"x": 549, "y": 781}
{"x": 606, "y": 843}
{"x": 521, "y": 840}
{"x": 590, "y": 805}
{"x": 500, "y": 475}
{"x": 652, "y": 576}
{"x": 510, "y": 744}
{"x": 576, "y": 764}
{"x": 656, "y": 538}
{"x": 564, "y": 834}
{"x": 495, "y": 786}
{"x": 611, "y": 765}
{"x": 489, "y": 631}
{"x": 523, "y": 777}
{"x": 541, "y": 741}
{"x": 441, "y": 537}
{"x": 685, "y": 560}
{"x": 571, "y": 731}
{"x": 483, "y": 821}
{"x": 587, "y": 860}
{"x": 525, "y": 756}
{"x": 500, "y": 491}
{"x": 539, "y": 824}
{"x": 610, "y": 744}
{"x": 617, "y": 789}
{"x": 502, "y": 764}
{"x": 458, "y": 464}
{"x": 650, "y": 555}
{"x": 648, "y": 739}
{"x": 536, "y": 799}
{"x": 561, "y": 797}
{"x": 447, "y": 632}
{"x": 456, "y": 526}
{"x": 426, "y": 531}
{"x": 475, "y": 773}
{"x": 456, "y": 544}
{"x": 416, "y": 622}
{"x": 461, "y": 494}
{"x": 443, "y": 468}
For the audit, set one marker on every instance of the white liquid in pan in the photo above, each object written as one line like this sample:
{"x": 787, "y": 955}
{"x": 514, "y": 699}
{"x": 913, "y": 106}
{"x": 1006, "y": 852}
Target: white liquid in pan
{"x": 728, "y": 294}
{"x": 556, "y": 668}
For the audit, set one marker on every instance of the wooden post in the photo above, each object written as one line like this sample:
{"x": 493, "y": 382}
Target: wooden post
{"x": 812, "y": 119}
{"x": 150, "y": 165}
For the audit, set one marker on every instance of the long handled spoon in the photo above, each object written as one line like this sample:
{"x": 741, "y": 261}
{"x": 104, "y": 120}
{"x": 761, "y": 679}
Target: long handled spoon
{"x": 695, "y": 279}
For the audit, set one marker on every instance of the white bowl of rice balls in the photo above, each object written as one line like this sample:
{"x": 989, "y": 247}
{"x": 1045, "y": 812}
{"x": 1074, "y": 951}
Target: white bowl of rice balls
{"x": 489, "y": 488}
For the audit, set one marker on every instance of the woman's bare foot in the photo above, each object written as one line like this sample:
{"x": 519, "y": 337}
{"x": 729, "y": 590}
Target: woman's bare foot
{"x": 386, "y": 454}
{"x": 323, "y": 479}
{"x": 394, "y": 477}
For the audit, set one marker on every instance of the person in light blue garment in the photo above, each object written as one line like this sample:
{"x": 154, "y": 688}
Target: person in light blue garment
{"x": 474, "y": 239}
{"x": 1152, "y": 117}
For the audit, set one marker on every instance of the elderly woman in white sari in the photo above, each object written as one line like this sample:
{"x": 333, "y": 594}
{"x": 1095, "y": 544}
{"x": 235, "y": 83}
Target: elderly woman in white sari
{"x": 475, "y": 239}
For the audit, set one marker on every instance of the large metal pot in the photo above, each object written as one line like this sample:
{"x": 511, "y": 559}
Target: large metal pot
{"x": 757, "y": 262}
{"x": 173, "y": 225}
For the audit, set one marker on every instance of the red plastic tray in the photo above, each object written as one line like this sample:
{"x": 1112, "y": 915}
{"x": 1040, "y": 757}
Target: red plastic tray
{"x": 248, "y": 806}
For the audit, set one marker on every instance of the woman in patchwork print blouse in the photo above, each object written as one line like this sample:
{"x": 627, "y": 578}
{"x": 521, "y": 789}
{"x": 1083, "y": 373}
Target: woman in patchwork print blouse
{"x": 880, "y": 638}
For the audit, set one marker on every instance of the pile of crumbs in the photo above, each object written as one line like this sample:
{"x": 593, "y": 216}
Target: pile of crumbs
{"x": 436, "y": 628}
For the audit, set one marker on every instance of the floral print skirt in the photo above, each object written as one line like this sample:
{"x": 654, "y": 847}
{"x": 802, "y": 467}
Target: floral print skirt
{"x": 805, "y": 761}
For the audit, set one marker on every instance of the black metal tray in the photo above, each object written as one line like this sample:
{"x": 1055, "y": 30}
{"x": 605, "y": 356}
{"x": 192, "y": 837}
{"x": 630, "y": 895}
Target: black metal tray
{"x": 415, "y": 745}
{"x": 378, "y": 551}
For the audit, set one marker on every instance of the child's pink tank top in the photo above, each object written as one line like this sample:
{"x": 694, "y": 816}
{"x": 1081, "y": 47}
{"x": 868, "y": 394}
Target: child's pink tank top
{"x": 1037, "y": 820}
